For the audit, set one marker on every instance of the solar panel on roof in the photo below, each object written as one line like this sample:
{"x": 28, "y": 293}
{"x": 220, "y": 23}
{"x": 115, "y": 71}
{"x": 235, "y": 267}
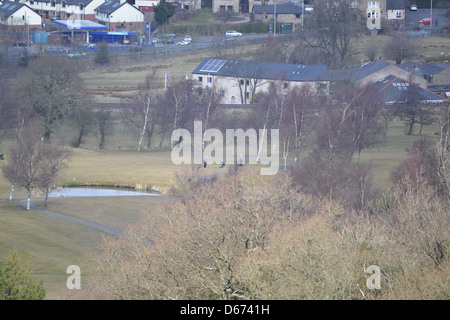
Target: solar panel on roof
{"x": 6, "y": 6}
{"x": 213, "y": 65}
{"x": 115, "y": 4}
{"x": 12, "y": 6}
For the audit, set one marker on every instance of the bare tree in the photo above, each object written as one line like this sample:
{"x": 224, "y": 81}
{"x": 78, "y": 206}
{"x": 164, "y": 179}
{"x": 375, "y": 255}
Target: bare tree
{"x": 53, "y": 88}
{"x": 332, "y": 31}
{"x": 412, "y": 110}
{"x": 53, "y": 161}
{"x": 399, "y": 47}
{"x": 443, "y": 149}
{"x": 34, "y": 163}
{"x": 104, "y": 123}
{"x": 142, "y": 113}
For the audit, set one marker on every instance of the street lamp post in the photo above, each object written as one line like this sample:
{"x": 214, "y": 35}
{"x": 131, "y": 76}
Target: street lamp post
{"x": 303, "y": 11}
{"x": 431, "y": 14}
{"x": 275, "y": 19}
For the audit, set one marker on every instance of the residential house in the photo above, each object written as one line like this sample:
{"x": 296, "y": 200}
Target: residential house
{"x": 119, "y": 15}
{"x": 395, "y": 10}
{"x": 65, "y": 9}
{"x": 437, "y": 75}
{"x": 374, "y": 71}
{"x": 392, "y": 89}
{"x": 17, "y": 16}
{"x": 190, "y": 4}
{"x": 374, "y": 11}
{"x": 392, "y": 81}
{"x": 221, "y": 6}
{"x": 288, "y": 13}
{"x": 239, "y": 81}
{"x": 146, "y": 5}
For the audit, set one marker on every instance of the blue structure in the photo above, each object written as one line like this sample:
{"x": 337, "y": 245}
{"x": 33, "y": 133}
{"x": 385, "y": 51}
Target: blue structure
{"x": 113, "y": 37}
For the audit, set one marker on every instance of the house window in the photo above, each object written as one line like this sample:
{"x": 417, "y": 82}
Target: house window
{"x": 222, "y": 93}
{"x": 63, "y": 4}
{"x": 373, "y": 4}
{"x": 399, "y": 14}
{"x": 200, "y": 79}
{"x": 81, "y": 6}
{"x": 31, "y": 2}
{"x": 247, "y": 82}
{"x": 241, "y": 82}
{"x": 209, "y": 79}
{"x": 286, "y": 85}
{"x": 222, "y": 8}
{"x": 233, "y": 99}
{"x": 247, "y": 95}
{"x": 52, "y": 3}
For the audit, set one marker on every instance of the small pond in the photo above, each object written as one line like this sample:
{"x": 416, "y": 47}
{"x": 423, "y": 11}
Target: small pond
{"x": 96, "y": 192}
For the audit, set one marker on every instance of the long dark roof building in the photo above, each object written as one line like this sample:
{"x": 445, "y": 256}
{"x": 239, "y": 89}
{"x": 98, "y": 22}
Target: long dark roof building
{"x": 262, "y": 70}
{"x": 285, "y": 8}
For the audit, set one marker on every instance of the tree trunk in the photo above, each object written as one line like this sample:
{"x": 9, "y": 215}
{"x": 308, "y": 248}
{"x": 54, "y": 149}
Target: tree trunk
{"x": 46, "y": 198}
{"x": 144, "y": 128}
{"x": 11, "y": 193}
{"x": 29, "y": 200}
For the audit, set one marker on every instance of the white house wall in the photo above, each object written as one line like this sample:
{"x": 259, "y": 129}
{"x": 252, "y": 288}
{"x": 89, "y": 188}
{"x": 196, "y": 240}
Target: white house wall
{"x": 17, "y": 18}
{"x": 126, "y": 13}
{"x": 228, "y": 87}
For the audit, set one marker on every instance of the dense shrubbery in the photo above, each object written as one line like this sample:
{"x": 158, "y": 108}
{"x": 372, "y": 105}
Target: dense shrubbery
{"x": 254, "y": 237}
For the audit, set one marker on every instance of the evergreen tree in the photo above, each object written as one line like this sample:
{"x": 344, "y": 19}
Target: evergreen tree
{"x": 163, "y": 12}
{"x": 16, "y": 280}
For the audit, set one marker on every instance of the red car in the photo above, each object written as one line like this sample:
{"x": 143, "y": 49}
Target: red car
{"x": 425, "y": 21}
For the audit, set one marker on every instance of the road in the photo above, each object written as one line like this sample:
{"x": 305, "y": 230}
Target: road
{"x": 86, "y": 223}
{"x": 413, "y": 17}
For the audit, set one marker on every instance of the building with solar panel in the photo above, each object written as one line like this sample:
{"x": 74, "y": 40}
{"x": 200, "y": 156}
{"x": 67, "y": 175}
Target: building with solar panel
{"x": 65, "y": 9}
{"x": 17, "y": 15}
{"x": 239, "y": 81}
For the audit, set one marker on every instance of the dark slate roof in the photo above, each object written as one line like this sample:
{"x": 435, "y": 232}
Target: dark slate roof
{"x": 393, "y": 90}
{"x": 9, "y": 7}
{"x": 287, "y": 8}
{"x": 262, "y": 70}
{"x": 368, "y": 69}
{"x": 423, "y": 68}
{"x": 340, "y": 75}
{"x": 395, "y": 5}
{"x": 69, "y": 2}
{"x": 110, "y": 6}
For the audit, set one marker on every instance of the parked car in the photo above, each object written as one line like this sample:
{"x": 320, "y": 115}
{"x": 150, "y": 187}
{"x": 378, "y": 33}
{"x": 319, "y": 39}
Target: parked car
{"x": 309, "y": 8}
{"x": 168, "y": 38}
{"x": 425, "y": 21}
{"x": 233, "y": 33}
{"x": 188, "y": 38}
{"x": 89, "y": 45}
{"x": 183, "y": 43}
{"x": 413, "y": 7}
{"x": 20, "y": 44}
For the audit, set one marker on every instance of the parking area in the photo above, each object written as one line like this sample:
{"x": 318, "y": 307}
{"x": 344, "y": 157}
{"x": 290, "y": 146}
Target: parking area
{"x": 439, "y": 19}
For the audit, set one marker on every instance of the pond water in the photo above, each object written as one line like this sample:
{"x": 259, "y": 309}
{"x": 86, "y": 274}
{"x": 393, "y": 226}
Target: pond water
{"x": 96, "y": 192}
